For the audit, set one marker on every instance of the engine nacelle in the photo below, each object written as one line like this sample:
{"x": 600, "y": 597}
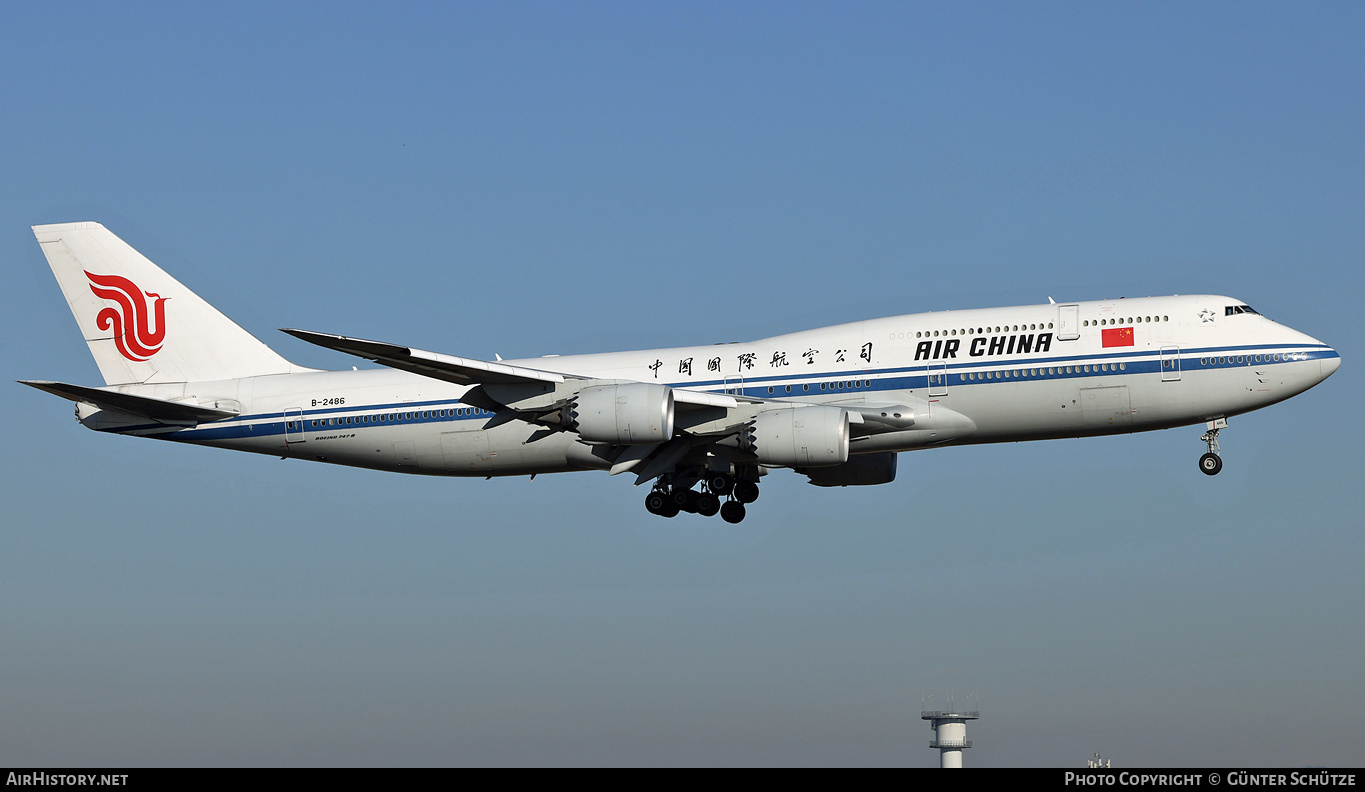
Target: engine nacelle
{"x": 800, "y": 437}
{"x": 631, "y": 414}
{"x": 859, "y": 471}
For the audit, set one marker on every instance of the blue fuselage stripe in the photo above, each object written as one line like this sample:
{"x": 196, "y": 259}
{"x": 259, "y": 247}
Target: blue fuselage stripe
{"x": 910, "y": 377}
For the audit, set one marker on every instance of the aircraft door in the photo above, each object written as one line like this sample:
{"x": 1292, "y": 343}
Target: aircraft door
{"x": 1170, "y": 364}
{"x": 1068, "y": 322}
{"x": 937, "y": 375}
{"x": 734, "y": 384}
{"x": 293, "y": 426}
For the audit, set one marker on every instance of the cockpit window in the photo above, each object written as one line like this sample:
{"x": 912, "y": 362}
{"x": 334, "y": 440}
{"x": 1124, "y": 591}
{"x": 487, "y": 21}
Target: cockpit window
{"x": 1239, "y": 309}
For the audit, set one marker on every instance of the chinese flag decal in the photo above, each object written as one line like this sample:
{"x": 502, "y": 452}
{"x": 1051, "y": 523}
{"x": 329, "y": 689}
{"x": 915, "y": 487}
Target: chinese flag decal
{"x": 1116, "y": 336}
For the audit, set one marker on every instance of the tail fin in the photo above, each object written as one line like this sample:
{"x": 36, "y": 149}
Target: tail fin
{"x": 142, "y": 325}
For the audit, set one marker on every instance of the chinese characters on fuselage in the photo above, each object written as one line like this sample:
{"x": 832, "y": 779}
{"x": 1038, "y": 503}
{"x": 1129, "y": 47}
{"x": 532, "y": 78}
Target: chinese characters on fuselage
{"x": 933, "y": 349}
{"x": 747, "y": 361}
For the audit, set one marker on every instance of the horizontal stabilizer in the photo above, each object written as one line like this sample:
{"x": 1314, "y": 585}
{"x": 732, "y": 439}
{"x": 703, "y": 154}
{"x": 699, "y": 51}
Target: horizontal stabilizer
{"x": 461, "y": 371}
{"x": 158, "y": 410}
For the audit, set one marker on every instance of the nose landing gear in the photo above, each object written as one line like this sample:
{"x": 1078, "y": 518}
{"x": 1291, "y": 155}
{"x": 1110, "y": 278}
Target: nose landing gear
{"x": 1210, "y": 463}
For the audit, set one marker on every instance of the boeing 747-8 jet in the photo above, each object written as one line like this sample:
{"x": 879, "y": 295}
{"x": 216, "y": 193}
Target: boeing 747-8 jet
{"x": 703, "y": 423}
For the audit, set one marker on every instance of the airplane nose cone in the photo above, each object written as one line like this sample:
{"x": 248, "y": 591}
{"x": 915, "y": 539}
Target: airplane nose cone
{"x": 1330, "y": 364}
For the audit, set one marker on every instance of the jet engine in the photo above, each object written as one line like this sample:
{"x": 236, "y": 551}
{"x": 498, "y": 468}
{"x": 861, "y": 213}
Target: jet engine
{"x": 799, "y": 437}
{"x": 631, "y": 414}
{"x": 860, "y": 470}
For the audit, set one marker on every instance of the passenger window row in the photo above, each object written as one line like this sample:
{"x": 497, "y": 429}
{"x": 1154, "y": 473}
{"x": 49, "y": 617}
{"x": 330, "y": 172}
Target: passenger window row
{"x": 1223, "y": 361}
{"x": 1050, "y": 371}
{"x": 1121, "y": 321}
{"x": 983, "y": 330}
{"x": 420, "y": 415}
{"x": 845, "y": 384}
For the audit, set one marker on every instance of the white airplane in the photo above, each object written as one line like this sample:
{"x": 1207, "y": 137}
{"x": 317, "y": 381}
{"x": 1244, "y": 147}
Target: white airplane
{"x": 703, "y": 423}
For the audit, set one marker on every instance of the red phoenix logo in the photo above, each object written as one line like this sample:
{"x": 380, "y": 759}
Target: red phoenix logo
{"x": 134, "y": 335}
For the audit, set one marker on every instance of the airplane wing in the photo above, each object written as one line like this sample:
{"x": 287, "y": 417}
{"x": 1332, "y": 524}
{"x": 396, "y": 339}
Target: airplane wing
{"x": 467, "y": 371}
{"x": 461, "y": 371}
{"x": 159, "y": 410}
{"x": 536, "y": 396}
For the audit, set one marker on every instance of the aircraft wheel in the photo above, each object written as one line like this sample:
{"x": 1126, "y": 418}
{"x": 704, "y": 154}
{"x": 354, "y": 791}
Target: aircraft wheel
{"x": 1210, "y": 464}
{"x": 732, "y": 511}
{"x": 691, "y": 502}
{"x": 746, "y": 491}
{"x": 656, "y": 502}
{"x": 720, "y": 483}
{"x": 670, "y": 509}
{"x": 707, "y": 504}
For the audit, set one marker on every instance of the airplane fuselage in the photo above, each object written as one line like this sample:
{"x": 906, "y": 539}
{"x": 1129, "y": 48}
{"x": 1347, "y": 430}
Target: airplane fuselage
{"x": 968, "y": 376}
{"x": 704, "y": 424}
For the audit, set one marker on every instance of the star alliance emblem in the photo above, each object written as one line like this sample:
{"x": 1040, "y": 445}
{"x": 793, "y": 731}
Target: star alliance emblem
{"x": 1206, "y": 315}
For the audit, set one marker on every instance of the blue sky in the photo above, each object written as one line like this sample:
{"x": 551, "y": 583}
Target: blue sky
{"x": 537, "y": 178}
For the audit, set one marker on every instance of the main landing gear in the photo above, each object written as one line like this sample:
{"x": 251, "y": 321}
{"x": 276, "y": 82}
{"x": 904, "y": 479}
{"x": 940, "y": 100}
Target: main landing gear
{"x": 1210, "y": 463}
{"x": 673, "y": 494}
